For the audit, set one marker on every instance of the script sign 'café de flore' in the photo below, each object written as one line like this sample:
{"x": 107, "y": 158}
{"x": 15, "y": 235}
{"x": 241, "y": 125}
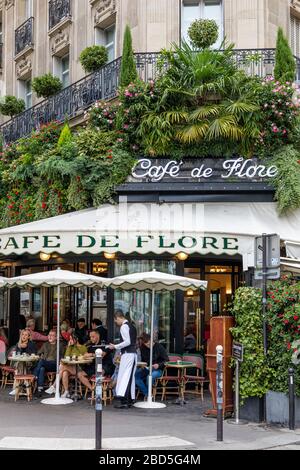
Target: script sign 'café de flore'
{"x": 197, "y": 218}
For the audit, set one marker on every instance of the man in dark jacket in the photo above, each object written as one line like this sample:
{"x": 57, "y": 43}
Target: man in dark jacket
{"x": 160, "y": 357}
{"x": 97, "y": 325}
{"x": 82, "y": 331}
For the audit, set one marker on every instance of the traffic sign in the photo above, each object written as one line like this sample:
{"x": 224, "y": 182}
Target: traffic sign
{"x": 273, "y": 251}
{"x": 271, "y": 274}
{"x": 237, "y": 351}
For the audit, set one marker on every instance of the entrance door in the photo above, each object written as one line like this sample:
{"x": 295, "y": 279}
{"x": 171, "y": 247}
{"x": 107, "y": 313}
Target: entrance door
{"x": 200, "y": 307}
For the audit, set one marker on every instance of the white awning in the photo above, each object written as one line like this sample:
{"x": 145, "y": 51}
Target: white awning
{"x": 293, "y": 248}
{"x": 290, "y": 265}
{"x": 209, "y": 228}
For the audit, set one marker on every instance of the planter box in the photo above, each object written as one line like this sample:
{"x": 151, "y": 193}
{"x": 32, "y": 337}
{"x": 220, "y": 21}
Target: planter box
{"x": 278, "y": 409}
{"x": 252, "y": 410}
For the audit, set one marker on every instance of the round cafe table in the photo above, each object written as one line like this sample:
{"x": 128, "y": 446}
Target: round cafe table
{"x": 181, "y": 367}
{"x": 142, "y": 365}
{"x": 76, "y": 363}
{"x": 23, "y": 361}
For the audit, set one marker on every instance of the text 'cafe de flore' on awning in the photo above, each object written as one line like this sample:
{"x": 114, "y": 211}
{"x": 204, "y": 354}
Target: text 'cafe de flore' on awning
{"x": 187, "y": 219}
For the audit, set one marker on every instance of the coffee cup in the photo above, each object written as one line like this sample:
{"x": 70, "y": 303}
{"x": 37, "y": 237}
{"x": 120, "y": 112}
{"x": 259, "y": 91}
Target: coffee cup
{"x": 68, "y": 358}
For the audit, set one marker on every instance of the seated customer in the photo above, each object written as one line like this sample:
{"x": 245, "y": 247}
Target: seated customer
{"x": 81, "y": 331}
{"x": 160, "y": 357}
{"x": 35, "y": 336}
{"x": 107, "y": 362}
{"x": 24, "y": 346}
{"x": 98, "y": 325}
{"x": 48, "y": 361}
{"x": 65, "y": 371}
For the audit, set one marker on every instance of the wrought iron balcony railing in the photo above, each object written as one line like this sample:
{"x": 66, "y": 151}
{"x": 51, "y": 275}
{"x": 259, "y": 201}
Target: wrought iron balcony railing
{"x": 58, "y": 10}
{"x": 24, "y": 36}
{"x": 103, "y": 85}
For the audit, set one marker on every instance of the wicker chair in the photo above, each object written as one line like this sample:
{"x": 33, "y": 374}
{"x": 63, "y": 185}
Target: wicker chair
{"x": 107, "y": 395}
{"x": 8, "y": 374}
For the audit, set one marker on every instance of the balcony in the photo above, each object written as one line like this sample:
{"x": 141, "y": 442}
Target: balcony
{"x": 58, "y": 10}
{"x": 24, "y": 36}
{"x": 103, "y": 85}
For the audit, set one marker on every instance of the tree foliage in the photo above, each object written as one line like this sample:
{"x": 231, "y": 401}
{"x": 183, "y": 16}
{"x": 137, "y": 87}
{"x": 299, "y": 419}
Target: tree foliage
{"x": 203, "y": 33}
{"x": 285, "y": 65}
{"x": 93, "y": 57}
{"x": 11, "y": 106}
{"x": 46, "y": 85}
{"x": 128, "y": 72}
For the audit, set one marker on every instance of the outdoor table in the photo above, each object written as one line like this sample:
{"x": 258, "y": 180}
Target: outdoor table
{"x": 76, "y": 363}
{"x": 181, "y": 366}
{"x": 23, "y": 361}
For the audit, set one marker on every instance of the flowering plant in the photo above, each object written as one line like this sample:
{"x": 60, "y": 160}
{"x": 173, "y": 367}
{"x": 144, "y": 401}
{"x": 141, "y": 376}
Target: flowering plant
{"x": 279, "y": 104}
{"x": 102, "y": 115}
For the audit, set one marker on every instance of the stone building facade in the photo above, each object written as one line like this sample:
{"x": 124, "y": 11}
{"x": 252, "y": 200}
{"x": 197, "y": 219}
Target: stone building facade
{"x": 40, "y": 36}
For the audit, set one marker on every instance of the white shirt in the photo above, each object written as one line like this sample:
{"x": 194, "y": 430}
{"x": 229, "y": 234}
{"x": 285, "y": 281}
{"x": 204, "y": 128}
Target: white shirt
{"x": 124, "y": 330}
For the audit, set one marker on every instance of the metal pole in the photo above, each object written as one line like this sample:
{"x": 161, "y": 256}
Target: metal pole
{"x": 237, "y": 391}
{"x": 219, "y": 377}
{"x": 264, "y": 309}
{"x": 151, "y": 349}
{"x": 98, "y": 396}
{"x": 57, "y": 393}
{"x": 291, "y": 399}
{"x": 264, "y": 291}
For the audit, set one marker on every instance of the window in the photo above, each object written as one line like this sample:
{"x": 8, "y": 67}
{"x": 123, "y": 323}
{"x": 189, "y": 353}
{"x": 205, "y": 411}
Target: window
{"x": 61, "y": 68}
{"x": 106, "y": 37}
{"x": 295, "y": 36}
{"x": 65, "y": 71}
{"x": 209, "y": 9}
{"x": 25, "y": 92}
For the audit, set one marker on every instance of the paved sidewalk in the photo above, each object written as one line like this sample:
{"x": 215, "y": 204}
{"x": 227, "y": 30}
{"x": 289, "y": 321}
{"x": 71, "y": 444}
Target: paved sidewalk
{"x": 175, "y": 427}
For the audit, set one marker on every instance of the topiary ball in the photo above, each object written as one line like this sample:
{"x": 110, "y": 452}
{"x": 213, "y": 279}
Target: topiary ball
{"x": 203, "y": 33}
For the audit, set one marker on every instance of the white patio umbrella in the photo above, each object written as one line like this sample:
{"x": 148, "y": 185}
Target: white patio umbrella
{"x": 56, "y": 278}
{"x": 154, "y": 281}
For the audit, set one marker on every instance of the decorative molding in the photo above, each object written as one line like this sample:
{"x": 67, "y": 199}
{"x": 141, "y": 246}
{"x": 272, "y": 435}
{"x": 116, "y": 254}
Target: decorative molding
{"x": 24, "y": 67}
{"x": 60, "y": 41}
{"x": 9, "y": 3}
{"x": 295, "y": 8}
{"x": 104, "y": 10}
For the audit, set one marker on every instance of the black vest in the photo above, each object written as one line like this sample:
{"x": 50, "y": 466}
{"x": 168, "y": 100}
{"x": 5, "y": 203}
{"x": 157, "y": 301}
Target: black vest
{"x": 133, "y": 334}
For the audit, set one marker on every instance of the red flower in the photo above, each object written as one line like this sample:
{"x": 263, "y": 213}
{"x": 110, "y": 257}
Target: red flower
{"x": 296, "y": 317}
{"x": 289, "y": 346}
{"x": 286, "y": 322}
{"x": 44, "y": 205}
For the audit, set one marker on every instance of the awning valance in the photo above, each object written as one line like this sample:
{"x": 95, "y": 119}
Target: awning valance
{"x": 227, "y": 228}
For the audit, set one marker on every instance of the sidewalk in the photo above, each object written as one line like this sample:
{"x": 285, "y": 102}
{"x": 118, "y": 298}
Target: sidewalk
{"x": 33, "y": 426}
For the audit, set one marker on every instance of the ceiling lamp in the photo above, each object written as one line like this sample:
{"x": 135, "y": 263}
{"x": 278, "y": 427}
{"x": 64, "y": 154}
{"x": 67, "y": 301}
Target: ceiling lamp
{"x": 182, "y": 256}
{"x": 45, "y": 256}
{"x": 190, "y": 292}
{"x": 110, "y": 256}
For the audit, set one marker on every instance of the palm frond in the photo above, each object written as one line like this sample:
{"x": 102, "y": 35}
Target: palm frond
{"x": 193, "y": 133}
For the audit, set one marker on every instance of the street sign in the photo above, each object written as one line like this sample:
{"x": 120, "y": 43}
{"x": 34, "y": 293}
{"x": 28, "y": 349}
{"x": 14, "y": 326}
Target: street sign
{"x": 273, "y": 251}
{"x": 237, "y": 351}
{"x": 271, "y": 274}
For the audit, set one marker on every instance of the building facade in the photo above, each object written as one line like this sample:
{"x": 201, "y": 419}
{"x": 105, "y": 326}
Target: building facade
{"x": 39, "y": 36}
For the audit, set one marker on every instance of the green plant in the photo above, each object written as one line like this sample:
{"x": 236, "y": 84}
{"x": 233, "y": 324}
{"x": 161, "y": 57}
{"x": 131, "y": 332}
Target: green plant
{"x": 203, "y": 33}
{"x": 10, "y": 106}
{"x": 285, "y": 65}
{"x": 128, "y": 72}
{"x": 93, "y": 57}
{"x": 255, "y": 374}
{"x": 65, "y": 136}
{"x": 287, "y": 181}
{"x": 283, "y": 315}
{"x": 46, "y": 85}
{"x": 203, "y": 97}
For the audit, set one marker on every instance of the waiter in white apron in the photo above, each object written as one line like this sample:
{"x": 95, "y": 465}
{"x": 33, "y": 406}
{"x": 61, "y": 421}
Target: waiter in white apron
{"x": 125, "y": 389}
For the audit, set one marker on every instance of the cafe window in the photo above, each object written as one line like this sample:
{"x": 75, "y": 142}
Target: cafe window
{"x": 136, "y": 305}
{"x": 207, "y": 9}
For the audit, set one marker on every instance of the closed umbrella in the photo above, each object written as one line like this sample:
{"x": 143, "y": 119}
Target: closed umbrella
{"x": 154, "y": 281}
{"x": 56, "y": 278}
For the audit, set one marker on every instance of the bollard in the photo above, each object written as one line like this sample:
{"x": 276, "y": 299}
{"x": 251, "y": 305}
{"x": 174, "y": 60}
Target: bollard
{"x": 291, "y": 399}
{"x": 219, "y": 377}
{"x": 98, "y": 399}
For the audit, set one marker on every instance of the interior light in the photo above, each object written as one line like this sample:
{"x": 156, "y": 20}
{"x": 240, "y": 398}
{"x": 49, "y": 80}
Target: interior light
{"x": 182, "y": 256}
{"x": 45, "y": 256}
{"x": 110, "y": 255}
